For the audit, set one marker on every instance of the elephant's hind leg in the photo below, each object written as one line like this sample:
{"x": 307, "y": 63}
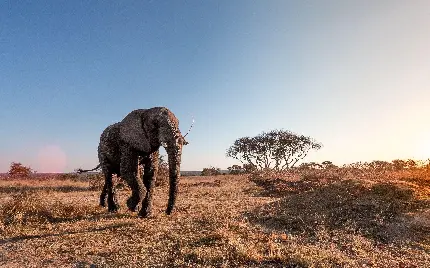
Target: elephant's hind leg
{"x": 103, "y": 195}
{"x": 109, "y": 191}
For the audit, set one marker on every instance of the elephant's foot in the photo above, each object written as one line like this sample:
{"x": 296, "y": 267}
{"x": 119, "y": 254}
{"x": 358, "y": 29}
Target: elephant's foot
{"x": 113, "y": 206}
{"x": 146, "y": 210}
{"x": 103, "y": 201}
{"x": 169, "y": 211}
{"x": 169, "y": 208}
{"x": 145, "y": 213}
{"x": 133, "y": 204}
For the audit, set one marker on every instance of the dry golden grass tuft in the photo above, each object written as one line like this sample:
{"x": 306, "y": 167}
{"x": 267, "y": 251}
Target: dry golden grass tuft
{"x": 320, "y": 218}
{"x": 31, "y": 207}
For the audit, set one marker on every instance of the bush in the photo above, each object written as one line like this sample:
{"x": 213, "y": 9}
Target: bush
{"x": 211, "y": 171}
{"x": 235, "y": 170}
{"x": 95, "y": 181}
{"x": 19, "y": 170}
{"x": 163, "y": 172}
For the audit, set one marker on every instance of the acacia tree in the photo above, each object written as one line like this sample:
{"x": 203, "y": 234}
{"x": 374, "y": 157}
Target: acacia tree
{"x": 211, "y": 171}
{"x": 328, "y": 165}
{"x": 235, "y": 170}
{"x": 311, "y": 165}
{"x": 277, "y": 149}
{"x": 19, "y": 170}
{"x": 399, "y": 164}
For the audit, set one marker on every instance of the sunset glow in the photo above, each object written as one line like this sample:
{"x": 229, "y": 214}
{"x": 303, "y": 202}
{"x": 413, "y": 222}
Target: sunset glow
{"x": 51, "y": 159}
{"x": 353, "y": 75}
{"x": 423, "y": 149}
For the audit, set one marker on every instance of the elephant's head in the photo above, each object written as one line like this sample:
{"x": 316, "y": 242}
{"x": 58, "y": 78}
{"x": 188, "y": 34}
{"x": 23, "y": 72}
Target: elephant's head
{"x": 146, "y": 130}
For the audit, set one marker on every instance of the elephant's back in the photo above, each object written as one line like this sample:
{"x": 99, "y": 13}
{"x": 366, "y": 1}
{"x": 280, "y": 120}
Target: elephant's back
{"x": 109, "y": 143}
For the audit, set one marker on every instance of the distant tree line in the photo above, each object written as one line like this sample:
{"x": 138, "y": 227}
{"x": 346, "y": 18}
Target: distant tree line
{"x": 211, "y": 171}
{"x": 281, "y": 150}
{"x": 395, "y": 165}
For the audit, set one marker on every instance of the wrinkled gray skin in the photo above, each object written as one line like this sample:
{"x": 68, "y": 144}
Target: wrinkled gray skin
{"x": 138, "y": 137}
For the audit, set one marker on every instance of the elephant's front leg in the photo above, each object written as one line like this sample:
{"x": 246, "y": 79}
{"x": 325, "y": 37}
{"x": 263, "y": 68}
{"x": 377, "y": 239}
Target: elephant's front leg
{"x": 129, "y": 161}
{"x": 149, "y": 177}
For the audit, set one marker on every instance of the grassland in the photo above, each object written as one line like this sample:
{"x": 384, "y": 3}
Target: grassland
{"x": 319, "y": 218}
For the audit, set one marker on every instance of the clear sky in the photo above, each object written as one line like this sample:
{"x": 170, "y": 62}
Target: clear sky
{"x": 354, "y": 75}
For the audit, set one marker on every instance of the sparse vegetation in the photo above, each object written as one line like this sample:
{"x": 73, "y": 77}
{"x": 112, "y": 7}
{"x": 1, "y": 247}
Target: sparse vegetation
{"x": 334, "y": 217}
{"x": 95, "y": 180}
{"x": 30, "y": 207}
{"x": 236, "y": 170}
{"x": 163, "y": 172}
{"x": 211, "y": 171}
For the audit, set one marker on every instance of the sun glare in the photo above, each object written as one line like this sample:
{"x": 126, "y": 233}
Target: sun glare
{"x": 423, "y": 150}
{"x": 51, "y": 159}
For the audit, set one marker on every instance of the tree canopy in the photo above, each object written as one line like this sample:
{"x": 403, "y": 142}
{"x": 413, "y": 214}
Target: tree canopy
{"x": 19, "y": 170}
{"x": 211, "y": 171}
{"x": 276, "y": 149}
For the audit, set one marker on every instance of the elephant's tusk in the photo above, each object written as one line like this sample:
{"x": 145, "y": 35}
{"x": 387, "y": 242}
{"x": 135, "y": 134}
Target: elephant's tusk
{"x": 192, "y": 124}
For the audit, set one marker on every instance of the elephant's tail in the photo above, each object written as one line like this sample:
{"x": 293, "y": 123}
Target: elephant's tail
{"x": 80, "y": 170}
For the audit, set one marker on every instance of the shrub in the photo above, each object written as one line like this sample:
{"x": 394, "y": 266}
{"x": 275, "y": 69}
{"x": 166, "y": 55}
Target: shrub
{"x": 328, "y": 165}
{"x": 163, "y": 172}
{"x": 235, "y": 170}
{"x": 399, "y": 164}
{"x": 19, "y": 170}
{"x": 211, "y": 171}
{"x": 95, "y": 181}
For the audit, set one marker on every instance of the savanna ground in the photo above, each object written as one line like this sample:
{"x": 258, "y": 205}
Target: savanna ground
{"x": 314, "y": 218}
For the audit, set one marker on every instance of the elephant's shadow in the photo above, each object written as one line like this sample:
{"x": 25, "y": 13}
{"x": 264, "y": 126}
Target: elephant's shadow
{"x": 383, "y": 212}
{"x": 62, "y": 189}
{"x": 20, "y": 238}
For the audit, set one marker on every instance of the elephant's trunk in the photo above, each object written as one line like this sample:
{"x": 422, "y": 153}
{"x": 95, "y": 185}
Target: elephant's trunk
{"x": 174, "y": 158}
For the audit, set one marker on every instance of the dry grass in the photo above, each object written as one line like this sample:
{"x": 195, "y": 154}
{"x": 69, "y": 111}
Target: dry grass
{"x": 312, "y": 219}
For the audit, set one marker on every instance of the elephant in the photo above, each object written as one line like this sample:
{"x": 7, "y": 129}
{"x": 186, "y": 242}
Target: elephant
{"x": 137, "y": 139}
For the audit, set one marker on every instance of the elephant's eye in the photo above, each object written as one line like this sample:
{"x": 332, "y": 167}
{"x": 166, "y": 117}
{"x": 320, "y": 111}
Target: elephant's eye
{"x": 181, "y": 140}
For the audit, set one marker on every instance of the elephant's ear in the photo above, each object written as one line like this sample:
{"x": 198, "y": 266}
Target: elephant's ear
{"x": 133, "y": 133}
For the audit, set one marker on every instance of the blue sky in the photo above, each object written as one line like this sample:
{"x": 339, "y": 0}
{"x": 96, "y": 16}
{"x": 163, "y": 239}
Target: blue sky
{"x": 354, "y": 75}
